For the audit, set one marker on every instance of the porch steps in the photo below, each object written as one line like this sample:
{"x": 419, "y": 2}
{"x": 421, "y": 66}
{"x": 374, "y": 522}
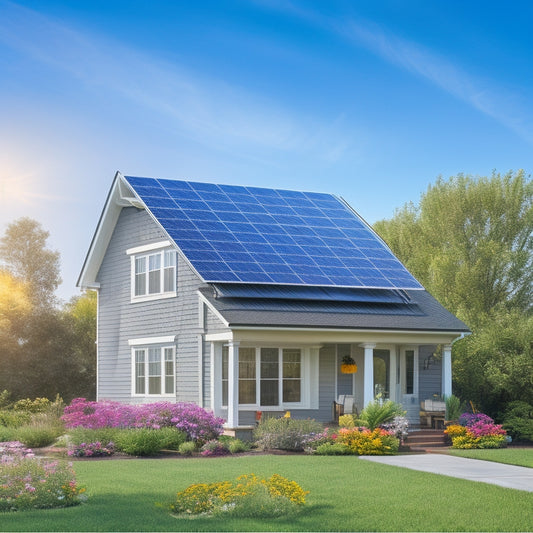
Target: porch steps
{"x": 426, "y": 438}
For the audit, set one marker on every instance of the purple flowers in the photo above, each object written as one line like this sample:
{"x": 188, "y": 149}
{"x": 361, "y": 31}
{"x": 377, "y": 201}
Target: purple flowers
{"x": 469, "y": 419}
{"x": 195, "y": 421}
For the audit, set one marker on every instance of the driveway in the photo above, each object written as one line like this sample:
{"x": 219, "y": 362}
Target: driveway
{"x": 509, "y": 476}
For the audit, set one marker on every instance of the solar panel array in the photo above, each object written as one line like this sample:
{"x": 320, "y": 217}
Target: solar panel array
{"x": 258, "y": 235}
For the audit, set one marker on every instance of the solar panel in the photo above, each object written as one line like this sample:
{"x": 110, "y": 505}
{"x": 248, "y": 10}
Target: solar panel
{"x": 255, "y": 235}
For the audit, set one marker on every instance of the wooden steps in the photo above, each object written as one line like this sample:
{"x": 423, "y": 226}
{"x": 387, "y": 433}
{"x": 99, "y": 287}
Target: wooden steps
{"x": 426, "y": 438}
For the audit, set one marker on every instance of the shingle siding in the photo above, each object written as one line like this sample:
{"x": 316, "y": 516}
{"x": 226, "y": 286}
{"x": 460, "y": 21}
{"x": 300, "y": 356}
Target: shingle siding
{"x": 120, "y": 320}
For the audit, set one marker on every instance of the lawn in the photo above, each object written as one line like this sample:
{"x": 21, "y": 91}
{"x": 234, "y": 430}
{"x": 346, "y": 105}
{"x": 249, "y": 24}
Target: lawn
{"x": 511, "y": 456}
{"x": 346, "y": 494}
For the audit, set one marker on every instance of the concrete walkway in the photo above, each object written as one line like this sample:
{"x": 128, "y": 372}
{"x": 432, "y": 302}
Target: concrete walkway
{"x": 509, "y": 476}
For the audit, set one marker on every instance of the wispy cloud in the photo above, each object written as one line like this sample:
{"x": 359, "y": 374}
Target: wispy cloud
{"x": 487, "y": 95}
{"x": 210, "y": 111}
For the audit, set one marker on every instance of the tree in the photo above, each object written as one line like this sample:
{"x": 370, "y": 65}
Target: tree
{"x": 469, "y": 242}
{"x": 24, "y": 254}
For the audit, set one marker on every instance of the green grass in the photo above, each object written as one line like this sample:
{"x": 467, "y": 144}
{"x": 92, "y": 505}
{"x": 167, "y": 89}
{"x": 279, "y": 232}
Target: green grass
{"x": 346, "y": 494}
{"x": 511, "y": 456}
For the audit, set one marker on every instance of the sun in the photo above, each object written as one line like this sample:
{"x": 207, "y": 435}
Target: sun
{"x": 17, "y": 188}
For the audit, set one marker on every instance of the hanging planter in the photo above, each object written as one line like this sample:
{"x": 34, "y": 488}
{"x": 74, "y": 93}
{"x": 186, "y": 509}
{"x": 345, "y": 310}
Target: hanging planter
{"x": 348, "y": 365}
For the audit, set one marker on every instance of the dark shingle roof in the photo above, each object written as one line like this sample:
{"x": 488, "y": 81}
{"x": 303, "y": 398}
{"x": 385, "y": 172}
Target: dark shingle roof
{"x": 420, "y": 313}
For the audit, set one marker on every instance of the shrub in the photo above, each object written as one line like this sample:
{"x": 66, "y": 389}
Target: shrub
{"x": 14, "y": 419}
{"x": 214, "y": 448}
{"x": 194, "y": 421}
{"x": 37, "y": 435}
{"x": 92, "y": 449}
{"x": 38, "y": 405}
{"x": 453, "y": 407}
{"x": 248, "y": 496}
{"x": 237, "y": 446}
{"x": 285, "y": 433}
{"x": 478, "y": 431}
{"x": 363, "y": 441}
{"x": 335, "y": 448}
{"x": 346, "y": 421}
{"x": 187, "y": 448}
{"x": 103, "y": 435}
{"x": 140, "y": 441}
{"x": 7, "y": 434}
{"x": 30, "y": 483}
{"x": 518, "y": 421}
{"x": 172, "y": 438}
{"x": 399, "y": 427}
{"x": 377, "y": 413}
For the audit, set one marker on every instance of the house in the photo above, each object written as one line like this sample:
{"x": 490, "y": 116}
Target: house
{"x": 247, "y": 300}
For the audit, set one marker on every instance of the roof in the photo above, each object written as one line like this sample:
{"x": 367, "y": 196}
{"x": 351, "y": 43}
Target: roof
{"x": 418, "y": 311}
{"x": 257, "y": 235}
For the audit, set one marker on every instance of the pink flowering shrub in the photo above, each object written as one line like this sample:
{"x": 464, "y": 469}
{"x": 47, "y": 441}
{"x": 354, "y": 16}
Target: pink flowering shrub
{"x": 27, "y": 482}
{"x": 476, "y": 431}
{"x": 194, "y": 421}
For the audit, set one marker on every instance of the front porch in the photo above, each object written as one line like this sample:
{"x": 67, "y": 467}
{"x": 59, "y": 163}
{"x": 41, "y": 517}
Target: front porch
{"x": 295, "y": 373}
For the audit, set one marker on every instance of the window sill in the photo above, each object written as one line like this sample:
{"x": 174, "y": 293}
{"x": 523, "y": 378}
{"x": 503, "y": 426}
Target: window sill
{"x": 152, "y": 297}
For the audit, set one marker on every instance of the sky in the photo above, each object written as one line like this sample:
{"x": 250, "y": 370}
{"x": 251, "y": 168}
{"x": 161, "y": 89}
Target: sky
{"x": 370, "y": 100}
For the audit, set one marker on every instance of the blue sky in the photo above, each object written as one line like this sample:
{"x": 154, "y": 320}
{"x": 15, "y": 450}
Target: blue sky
{"x": 370, "y": 100}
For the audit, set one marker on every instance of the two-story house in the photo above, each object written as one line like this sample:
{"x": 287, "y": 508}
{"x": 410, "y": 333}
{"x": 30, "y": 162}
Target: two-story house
{"x": 246, "y": 300}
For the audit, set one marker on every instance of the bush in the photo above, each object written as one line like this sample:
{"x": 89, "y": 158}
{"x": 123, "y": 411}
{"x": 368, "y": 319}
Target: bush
{"x": 187, "y": 448}
{"x": 92, "y": 449}
{"x": 518, "y": 421}
{"x": 477, "y": 431}
{"x": 7, "y": 434}
{"x": 346, "y": 421}
{"x": 285, "y": 433}
{"x": 38, "y": 405}
{"x": 335, "y": 448}
{"x": 248, "y": 496}
{"x": 453, "y": 407}
{"x": 14, "y": 419}
{"x": 213, "y": 448}
{"x": 104, "y": 435}
{"x": 29, "y": 483}
{"x": 363, "y": 441}
{"x": 38, "y": 435}
{"x": 376, "y": 413}
{"x": 238, "y": 446}
{"x": 194, "y": 421}
{"x": 141, "y": 441}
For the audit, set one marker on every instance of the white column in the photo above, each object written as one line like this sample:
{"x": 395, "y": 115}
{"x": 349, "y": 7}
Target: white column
{"x": 447, "y": 370}
{"x": 368, "y": 391}
{"x": 393, "y": 374}
{"x": 216, "y": 378}
{"x": 233, "y": 385}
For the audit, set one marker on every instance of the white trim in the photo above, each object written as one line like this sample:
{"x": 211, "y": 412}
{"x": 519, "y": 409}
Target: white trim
{"x": 349, "y": 330}
{"x": 151, "y": 297}
{"x": 219, "y": 337}
{"x": 148, "y": 247}
{"x": 200, "y": 370}
{"x": 168, "y": 339}
{"x": 215, "y": 311}
{"x": 162, "y": 376}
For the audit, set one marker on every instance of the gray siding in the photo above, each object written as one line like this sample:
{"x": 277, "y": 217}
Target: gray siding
{"x": 120, "y": 320}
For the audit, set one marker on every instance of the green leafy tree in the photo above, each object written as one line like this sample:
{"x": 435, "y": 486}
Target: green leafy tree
{"x": 24, "y": 253}
{"x": 469, "y": 242}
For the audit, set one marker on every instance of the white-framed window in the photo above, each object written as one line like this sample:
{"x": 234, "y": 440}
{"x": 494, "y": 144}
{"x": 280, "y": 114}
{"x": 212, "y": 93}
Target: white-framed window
{"x": 268, "y": 377}
{"x": 153, "y": 367}
{"x": 410, "y": 371}
{"x": 153, "y": 272}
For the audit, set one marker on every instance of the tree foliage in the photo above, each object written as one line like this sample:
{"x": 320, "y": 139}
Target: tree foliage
{"x": 470, "y": 243}
{"x": 44, "y": 350}
{"x": 24, "y": 253}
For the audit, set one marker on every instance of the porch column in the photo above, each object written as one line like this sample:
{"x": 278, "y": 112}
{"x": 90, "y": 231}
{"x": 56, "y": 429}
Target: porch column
{"x": 447, "y": 370}
{"x": 368, "y": 390}
{"x": 233, "y": 384}
{"x": 216, "y": 381}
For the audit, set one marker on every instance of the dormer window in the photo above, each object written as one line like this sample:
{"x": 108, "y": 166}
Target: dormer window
{"x": 153, "y": 272}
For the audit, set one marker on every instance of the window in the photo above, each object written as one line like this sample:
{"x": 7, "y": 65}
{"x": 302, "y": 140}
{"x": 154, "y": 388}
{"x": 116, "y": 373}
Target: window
{"x": 409, "y": 371}
{"x": 153, "y": 272}
{"x": 268, "y": 377}
{"x": 154, "y": 370}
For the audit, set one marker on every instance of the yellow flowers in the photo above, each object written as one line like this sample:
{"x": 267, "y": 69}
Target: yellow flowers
{"x": 225, "y": 495}
{"x": 362, "y": 441}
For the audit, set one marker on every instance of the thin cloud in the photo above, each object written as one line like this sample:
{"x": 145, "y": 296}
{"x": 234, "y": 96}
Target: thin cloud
{"x": 487, "y": 96}
{"x": 207, "y": 110}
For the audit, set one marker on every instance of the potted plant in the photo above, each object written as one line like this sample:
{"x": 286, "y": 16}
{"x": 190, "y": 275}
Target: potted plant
{"x": 348, "y": 365}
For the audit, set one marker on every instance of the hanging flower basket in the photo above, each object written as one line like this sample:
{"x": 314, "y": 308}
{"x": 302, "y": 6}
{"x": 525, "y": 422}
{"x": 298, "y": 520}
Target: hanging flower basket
{"x": 349, "y": 369}
{"x": 348, "y": 365}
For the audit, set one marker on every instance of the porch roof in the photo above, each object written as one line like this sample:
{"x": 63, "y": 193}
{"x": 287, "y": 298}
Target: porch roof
{"x": 418, "y": 312}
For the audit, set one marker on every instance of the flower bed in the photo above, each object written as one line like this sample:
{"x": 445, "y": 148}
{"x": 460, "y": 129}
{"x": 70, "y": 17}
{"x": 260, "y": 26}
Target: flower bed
{"x": 248, "y": 496}
{"x": 476, "y": 431}
{"x": 27, "y": 482}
